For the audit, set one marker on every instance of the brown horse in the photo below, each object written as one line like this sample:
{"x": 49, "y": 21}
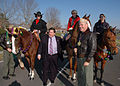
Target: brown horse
{"x": 71, "y": 45}
{"x": 104, "y": 50}
{"x": 28, "y": 44}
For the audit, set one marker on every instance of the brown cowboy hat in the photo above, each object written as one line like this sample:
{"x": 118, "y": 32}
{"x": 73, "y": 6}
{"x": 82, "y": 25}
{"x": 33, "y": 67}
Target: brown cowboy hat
{"x": 38, "y": 14}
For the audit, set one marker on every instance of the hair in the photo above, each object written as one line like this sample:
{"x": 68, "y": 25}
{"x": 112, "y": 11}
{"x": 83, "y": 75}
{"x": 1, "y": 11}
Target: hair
{"x": 102, "y": 15}
{"x": 74, "y": 11}
{"x": 83, "y": 21}
{"x": 52, "y": 29}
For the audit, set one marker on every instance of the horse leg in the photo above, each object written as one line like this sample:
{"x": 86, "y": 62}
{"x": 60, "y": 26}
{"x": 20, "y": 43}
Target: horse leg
{"x": 96, "y": 69}
{"x": 21, "y": 64}
{"x": 102, "y": 70}
{"x": 32, "y": 67}
{"x": 75, "y": 67}
{"x": 70, "y": 74}
{"x": 29, "y": 74}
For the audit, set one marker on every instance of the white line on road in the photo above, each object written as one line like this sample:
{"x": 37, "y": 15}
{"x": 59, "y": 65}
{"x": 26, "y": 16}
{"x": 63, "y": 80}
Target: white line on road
{"x": 59, "y": 72}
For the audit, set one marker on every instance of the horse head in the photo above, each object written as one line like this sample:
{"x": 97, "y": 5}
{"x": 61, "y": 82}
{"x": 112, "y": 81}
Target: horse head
{"x": 87, "y": 18}
{"x": 109, "y": 38}
{"x": 17, "y": 35}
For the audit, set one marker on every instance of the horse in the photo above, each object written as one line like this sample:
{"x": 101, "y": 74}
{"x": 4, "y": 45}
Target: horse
{"x": 12, "y": 37}
{"x": 71, "y": 44}
{"x": 27, "y": 43}
{"x": 104, "y": 50}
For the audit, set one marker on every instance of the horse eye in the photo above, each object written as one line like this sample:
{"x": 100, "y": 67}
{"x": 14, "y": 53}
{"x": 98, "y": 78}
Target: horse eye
{"x": 109, "y": 38}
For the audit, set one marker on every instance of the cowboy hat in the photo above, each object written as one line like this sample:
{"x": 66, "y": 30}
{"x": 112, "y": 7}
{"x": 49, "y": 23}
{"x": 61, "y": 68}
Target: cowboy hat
{"x": 38, "y": 14}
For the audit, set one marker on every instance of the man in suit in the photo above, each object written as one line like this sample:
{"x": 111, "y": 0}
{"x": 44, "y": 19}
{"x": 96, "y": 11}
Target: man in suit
{"x": 50, "y": 49}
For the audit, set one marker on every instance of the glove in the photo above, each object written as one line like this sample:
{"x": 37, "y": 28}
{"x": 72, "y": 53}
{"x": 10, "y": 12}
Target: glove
{"x": 70, "y": 28}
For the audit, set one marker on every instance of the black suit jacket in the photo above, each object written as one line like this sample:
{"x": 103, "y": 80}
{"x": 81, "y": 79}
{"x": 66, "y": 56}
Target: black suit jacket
{"x": 40, "y": 26}
{"x": 43, "y": 47}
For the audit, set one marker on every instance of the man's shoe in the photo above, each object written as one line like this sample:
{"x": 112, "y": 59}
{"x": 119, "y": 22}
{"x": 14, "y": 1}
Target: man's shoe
{"x": 6, "y": 77}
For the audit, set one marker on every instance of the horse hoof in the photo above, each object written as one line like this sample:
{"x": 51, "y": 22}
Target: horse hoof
{"x": 95, "y": 81}
{"x": 74, "y": 80}
{"x": 102, "y": 84}
{"x": 22, "y": 68}
{"x": 29, "y": 75}
{"x": 31, "y": 78}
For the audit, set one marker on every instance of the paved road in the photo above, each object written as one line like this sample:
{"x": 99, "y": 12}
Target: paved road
{"x": 111, "y": 75}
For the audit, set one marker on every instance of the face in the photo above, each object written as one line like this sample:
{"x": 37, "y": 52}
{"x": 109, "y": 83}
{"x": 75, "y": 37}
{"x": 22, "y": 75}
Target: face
{"x": 74, "y": 14}
{"x": 102, "y": 18}
{"x": 38, "y": 17}
{"x": 51, "y": 33}
{"x": 83, "y": 26}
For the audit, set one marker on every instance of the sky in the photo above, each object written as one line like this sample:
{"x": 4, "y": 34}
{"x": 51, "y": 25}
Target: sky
{"x": 111, "y": 9}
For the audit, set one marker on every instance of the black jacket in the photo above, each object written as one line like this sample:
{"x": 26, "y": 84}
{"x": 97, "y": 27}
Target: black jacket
{"x": 41, "y": 25}
{"x": 43, "y": 47}
{"x": 3, "y": 41}
{"x": 99, "y": 27}
{"x": 88, "y": 45}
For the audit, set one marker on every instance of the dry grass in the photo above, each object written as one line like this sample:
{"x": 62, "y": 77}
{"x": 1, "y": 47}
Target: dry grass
{"x": 1, "y": 57}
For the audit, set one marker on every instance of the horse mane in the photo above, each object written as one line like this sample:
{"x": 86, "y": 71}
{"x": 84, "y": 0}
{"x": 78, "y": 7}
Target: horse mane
{"x": 76, "y": 25}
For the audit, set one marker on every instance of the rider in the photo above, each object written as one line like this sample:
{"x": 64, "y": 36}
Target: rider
{"x": 71, "y": 23}
{"x": 39, "y": 25}
{"x": 99, "y": 29}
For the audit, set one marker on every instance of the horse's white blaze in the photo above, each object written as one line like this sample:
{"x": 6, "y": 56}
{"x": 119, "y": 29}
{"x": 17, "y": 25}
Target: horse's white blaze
{"x": 74, "y": 76}
{"x": 13, "y": 45}
{"x": 89, "y": 26}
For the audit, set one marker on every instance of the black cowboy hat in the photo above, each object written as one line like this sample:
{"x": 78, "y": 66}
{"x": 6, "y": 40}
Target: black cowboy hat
{"x": 38, "y": 14}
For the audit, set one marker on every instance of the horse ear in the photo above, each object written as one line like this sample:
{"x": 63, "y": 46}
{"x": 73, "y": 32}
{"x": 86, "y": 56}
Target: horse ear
{"x": 88, "y": 15}
{"x": 84, "y": 16}
{"x": 114, "y": 28}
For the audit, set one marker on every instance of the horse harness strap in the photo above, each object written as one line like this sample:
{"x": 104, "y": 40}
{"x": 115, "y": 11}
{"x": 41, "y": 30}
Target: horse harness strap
{"x": 28, "y": 47}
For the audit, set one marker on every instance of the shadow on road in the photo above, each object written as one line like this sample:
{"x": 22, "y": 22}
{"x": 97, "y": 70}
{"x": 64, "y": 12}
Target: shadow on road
{"x": 15, "y": 83}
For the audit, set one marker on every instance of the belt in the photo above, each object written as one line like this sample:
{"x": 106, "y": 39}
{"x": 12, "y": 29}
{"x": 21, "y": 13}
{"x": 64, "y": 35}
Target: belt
{"x": 53, "y": 54}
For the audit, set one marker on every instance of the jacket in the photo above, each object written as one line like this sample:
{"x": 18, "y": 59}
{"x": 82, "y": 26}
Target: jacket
{"x": 87, "y": 46}
{"x": 41, "y": 25}
{"x": 71, "y": 23}
{"x": 43, "y": 47}
{"x": 5, "y": 41}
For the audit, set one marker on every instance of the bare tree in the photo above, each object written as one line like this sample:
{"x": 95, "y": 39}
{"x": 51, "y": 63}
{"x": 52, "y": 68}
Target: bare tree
{"x": 8, "y": 10}
{"x": 27, "y": 7}
{"x": 52, "y": 17}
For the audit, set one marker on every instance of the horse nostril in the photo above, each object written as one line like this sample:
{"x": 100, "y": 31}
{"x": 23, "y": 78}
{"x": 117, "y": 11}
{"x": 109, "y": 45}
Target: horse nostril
{"x": 114, "y": 53}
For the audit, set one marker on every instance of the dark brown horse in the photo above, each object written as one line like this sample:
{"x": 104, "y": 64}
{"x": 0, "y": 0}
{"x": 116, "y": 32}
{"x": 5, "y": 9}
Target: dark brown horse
{"x": 28, "y": 44}
{"x": 104, "y": 50}
{"x": 71, "y": 45}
